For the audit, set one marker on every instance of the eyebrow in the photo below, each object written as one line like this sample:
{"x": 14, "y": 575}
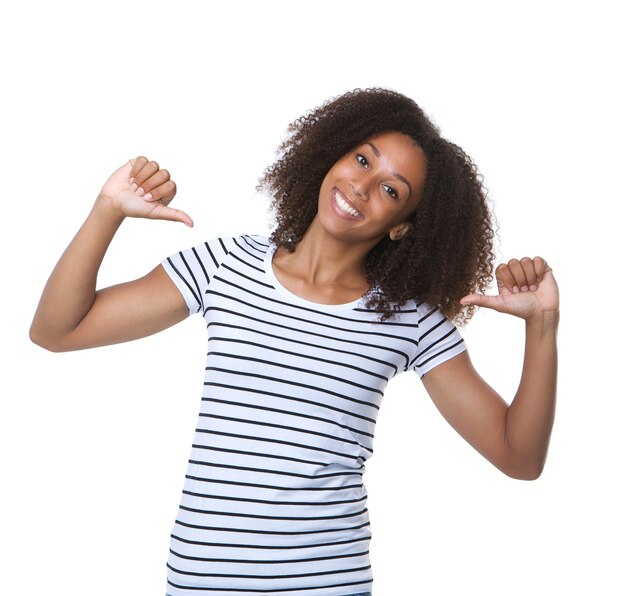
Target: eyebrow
{"x": 398, "y": 176}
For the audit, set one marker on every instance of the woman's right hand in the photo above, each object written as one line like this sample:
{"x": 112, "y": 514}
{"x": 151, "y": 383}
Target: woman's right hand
{"x": 140, "y": 188}
{"x": 71, "y": 314}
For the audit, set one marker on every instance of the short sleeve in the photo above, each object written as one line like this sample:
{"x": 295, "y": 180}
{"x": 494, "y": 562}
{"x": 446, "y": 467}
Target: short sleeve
{"x": 192, "y": 269}
{"x": 439, "y": 340}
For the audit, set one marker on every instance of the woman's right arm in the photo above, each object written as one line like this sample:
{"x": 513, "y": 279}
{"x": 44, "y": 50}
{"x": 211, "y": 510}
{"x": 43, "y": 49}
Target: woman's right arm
{"x": 71, "y": 314}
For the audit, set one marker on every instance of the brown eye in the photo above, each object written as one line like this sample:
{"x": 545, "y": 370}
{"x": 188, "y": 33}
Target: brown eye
{"x": 391, "y": 191}
{"x": 362, "y": 160}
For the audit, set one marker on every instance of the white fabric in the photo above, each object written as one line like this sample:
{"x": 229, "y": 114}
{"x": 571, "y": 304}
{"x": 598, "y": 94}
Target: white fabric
{"x": 273, "y": 501}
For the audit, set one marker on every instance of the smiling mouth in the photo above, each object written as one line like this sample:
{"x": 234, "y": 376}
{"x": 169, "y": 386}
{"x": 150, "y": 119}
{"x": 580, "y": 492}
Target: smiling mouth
{"x": 345, "y": 206}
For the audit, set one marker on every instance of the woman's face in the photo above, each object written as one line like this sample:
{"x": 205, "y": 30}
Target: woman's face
{"x": 372, "y": 190}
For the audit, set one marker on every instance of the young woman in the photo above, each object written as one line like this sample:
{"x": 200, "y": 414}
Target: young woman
{"x": 382, "y": 239}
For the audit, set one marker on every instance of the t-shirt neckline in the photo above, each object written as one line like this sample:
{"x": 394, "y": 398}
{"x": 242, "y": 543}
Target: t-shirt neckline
{"x": 294, "y": 298}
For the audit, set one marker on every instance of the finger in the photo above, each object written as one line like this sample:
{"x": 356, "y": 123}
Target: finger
{"x": 163, "y": 193}
{"x": 541, "y": 267}
{"x": 519, "y": 277}
{"x": 505, "y": 277}
{"x": 161, "y": 177}
{"x": 148, "y": 170}
{"x": 137, "y": 163}
{"x": 167, "y": 213}
{"x": 531, "y": 281}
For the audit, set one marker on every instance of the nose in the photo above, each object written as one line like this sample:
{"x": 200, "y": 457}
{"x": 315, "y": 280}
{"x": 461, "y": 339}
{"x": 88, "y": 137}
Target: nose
{"x": 359, "y": 189}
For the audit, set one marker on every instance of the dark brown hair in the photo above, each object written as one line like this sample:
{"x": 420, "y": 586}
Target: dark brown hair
{"x": 448, "y": 251}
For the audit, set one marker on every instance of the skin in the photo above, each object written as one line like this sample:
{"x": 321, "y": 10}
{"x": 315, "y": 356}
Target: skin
{"x": 326, "y": 267}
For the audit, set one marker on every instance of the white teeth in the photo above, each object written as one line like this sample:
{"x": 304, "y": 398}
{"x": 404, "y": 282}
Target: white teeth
{"x": 344, "y": 206}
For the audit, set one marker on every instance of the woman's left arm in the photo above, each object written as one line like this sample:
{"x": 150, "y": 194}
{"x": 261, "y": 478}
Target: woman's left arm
{"x": 513, "y": 437}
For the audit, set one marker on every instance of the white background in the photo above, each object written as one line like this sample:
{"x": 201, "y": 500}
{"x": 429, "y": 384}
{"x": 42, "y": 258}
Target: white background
{"x": 94, "y": 444}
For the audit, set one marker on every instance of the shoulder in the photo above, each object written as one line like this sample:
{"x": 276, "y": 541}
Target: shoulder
{"x": 438, "y": 339}
{"x": 217, "y": 249}
{"x": 418, "y": 314}
{"x": 193, "y": 269}
{"x": 254, "y": 242}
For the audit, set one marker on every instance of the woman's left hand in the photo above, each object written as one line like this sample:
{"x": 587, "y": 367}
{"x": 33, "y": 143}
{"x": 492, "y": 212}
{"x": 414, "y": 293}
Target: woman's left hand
{"x": 526, "y": 289}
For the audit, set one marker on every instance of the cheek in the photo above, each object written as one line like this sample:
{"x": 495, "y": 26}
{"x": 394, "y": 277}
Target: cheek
{"x": 330, "y": 175}
{"x": 391, "y": 213}
{"x": 335, "y": 175}
{"x": 340, "y": 169}
{"x": 325, "y": 186}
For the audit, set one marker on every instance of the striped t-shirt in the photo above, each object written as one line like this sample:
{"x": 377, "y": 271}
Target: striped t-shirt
{"x": 273, "y": 501}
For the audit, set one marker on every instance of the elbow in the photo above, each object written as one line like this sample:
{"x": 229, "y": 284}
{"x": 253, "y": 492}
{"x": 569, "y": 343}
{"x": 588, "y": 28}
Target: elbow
{"x": 530, "y": 471}
{"x": 532, "y": 475}
{"x": 524, "y": 462}
{"x": 535, "y": 472}
{"x": 43, "y": 341}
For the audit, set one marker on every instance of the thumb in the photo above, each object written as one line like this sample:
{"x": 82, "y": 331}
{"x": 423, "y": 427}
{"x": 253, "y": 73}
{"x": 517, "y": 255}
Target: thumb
{"x": 478, "y": 300}
{"x": 176, "y": 215}
{"x": 162, "y": 211}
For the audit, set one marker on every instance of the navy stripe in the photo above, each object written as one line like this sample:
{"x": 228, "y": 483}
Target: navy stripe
{"x": 273, "y": 486}
{"x": 290, "y": 398}
{"x": 184, "y": 280}
{"x": 269, "y": 532}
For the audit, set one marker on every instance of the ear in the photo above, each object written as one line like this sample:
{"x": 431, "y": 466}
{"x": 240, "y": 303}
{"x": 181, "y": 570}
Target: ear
{"x": 400, "y": 231}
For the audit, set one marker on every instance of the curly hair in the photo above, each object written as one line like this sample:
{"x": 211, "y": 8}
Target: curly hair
{"x": 448, "y": 251}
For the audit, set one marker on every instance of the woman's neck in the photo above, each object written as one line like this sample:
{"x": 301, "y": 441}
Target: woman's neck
{"x": 323, "y": 268}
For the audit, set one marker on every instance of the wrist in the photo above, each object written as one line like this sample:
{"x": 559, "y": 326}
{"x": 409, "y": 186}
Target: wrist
{"x": 544, "y": 321}
{"x": 105, "y": 209}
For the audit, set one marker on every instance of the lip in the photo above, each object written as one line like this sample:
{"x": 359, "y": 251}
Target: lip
{"x": 339, "y": 211}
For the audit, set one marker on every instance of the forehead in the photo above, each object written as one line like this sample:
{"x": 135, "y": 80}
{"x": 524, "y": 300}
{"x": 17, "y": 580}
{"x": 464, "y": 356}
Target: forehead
{"x": 397, "y": 144}
{"x": 401, "y": 154}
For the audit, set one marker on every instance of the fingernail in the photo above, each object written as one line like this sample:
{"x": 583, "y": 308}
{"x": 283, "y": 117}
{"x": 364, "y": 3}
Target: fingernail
{"x": 515, "y": 290}
{"x": 524, "y": 288}
{"x": 148, "y": 196}
{"x": 533, "y": 288}
{"x": 140, "y": 191}
{"x": 131, "y": 180}
{"x": 133, "y": 187}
